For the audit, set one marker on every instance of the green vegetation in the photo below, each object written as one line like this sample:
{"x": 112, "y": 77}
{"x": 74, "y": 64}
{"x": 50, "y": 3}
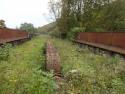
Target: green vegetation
{"x": 28, "y": 27}
{"x": 22, "y": 67}
{"x": 23, "y": 72}
{"x": 93, "y": 15}
{"x": 47, "y": 28}
{"x": 88, "y": 73}
{"x": 5, "y": 52}
{"x": 84, "y": 72}
{"x": 2, "y": 24}
{"x": 74, "y": 31}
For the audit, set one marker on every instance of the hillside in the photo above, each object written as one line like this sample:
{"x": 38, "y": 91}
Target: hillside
{"x": 47, "y": 28}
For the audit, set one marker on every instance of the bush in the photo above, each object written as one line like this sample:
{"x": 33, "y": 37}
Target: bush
{"x": 89, "y": 73}
{"x": 5, "y": 52}
{"x": 55, "y": 33}
{"x": 106, "y": 80}
{"x": 29, "y": 27}
{"x": 120, "y": 25}
{"x": 40, "y": 83}
{"x": 73, "y": 32}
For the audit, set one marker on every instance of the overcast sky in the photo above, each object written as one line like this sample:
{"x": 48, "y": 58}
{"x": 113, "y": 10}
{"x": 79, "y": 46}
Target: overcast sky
{"x": 15, "y": 12}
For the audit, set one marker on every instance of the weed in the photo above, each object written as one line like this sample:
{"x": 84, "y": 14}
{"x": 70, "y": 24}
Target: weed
{"x": 95, "y": 74}
{"x": 23, "y": 73}
{"x": 5, "y": 52}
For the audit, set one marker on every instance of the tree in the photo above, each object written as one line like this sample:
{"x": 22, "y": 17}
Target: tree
{"x": 55, "y": 9}
{"x": 93, "y": 15}
{"x": 2, "y": 24}
{"x": 115, "y": 16}
{"x": 28, "y": 27}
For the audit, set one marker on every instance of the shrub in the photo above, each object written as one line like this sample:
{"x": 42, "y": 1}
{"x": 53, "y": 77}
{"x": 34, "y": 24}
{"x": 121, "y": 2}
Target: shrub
{"x": 120, "y": 25}
{"x": 55, "y": 33}
{"x": 40, "y": 83}
{"x": 73, "y": 32}
{"x": 89, "y": 73}
{"x": 29, "y": 27}
{"x": 5, "y": 52}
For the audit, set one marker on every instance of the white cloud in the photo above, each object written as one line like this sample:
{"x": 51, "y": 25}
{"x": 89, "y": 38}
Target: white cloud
{"x": 15, "y": 12}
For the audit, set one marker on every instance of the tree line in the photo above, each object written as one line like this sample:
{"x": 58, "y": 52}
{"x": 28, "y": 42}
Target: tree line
{"x": 88, "y": 15}
{"x": 28, "y": 27}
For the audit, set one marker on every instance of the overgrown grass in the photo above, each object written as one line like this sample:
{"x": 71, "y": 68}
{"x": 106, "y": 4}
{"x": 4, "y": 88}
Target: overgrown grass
{"x": 84, "y": 72}
{"x": 5, "y": 52}
{"x": 22, "y": 72}
{"x": 88, "y": 73}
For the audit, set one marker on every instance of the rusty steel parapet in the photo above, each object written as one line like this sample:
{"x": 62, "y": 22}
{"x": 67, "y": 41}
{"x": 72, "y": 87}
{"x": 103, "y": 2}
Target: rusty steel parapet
{"x": 116, "y": 39}
{"x": 10, "y": 35}
{"x": 113, "y": 41}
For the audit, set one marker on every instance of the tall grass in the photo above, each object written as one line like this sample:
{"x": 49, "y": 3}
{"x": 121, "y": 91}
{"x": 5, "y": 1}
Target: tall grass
{"x": 84, "y": 72}
{"x": 22, "y": 72}
{"x": 88, "y": 73}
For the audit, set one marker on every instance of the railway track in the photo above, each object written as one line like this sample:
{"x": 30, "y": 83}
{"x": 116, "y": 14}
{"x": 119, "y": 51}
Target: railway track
{"x": 53, "y": 64}
{"x": 52, "y": 60}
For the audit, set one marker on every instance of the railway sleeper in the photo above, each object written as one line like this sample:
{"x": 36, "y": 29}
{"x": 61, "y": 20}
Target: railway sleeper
{"x": 53, "y": 64}
{"x": 52, "y": 60}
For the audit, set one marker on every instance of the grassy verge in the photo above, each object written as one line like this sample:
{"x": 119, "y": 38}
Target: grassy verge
{"x": 22, "y": 73}
{"x": 87, "y": 73}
